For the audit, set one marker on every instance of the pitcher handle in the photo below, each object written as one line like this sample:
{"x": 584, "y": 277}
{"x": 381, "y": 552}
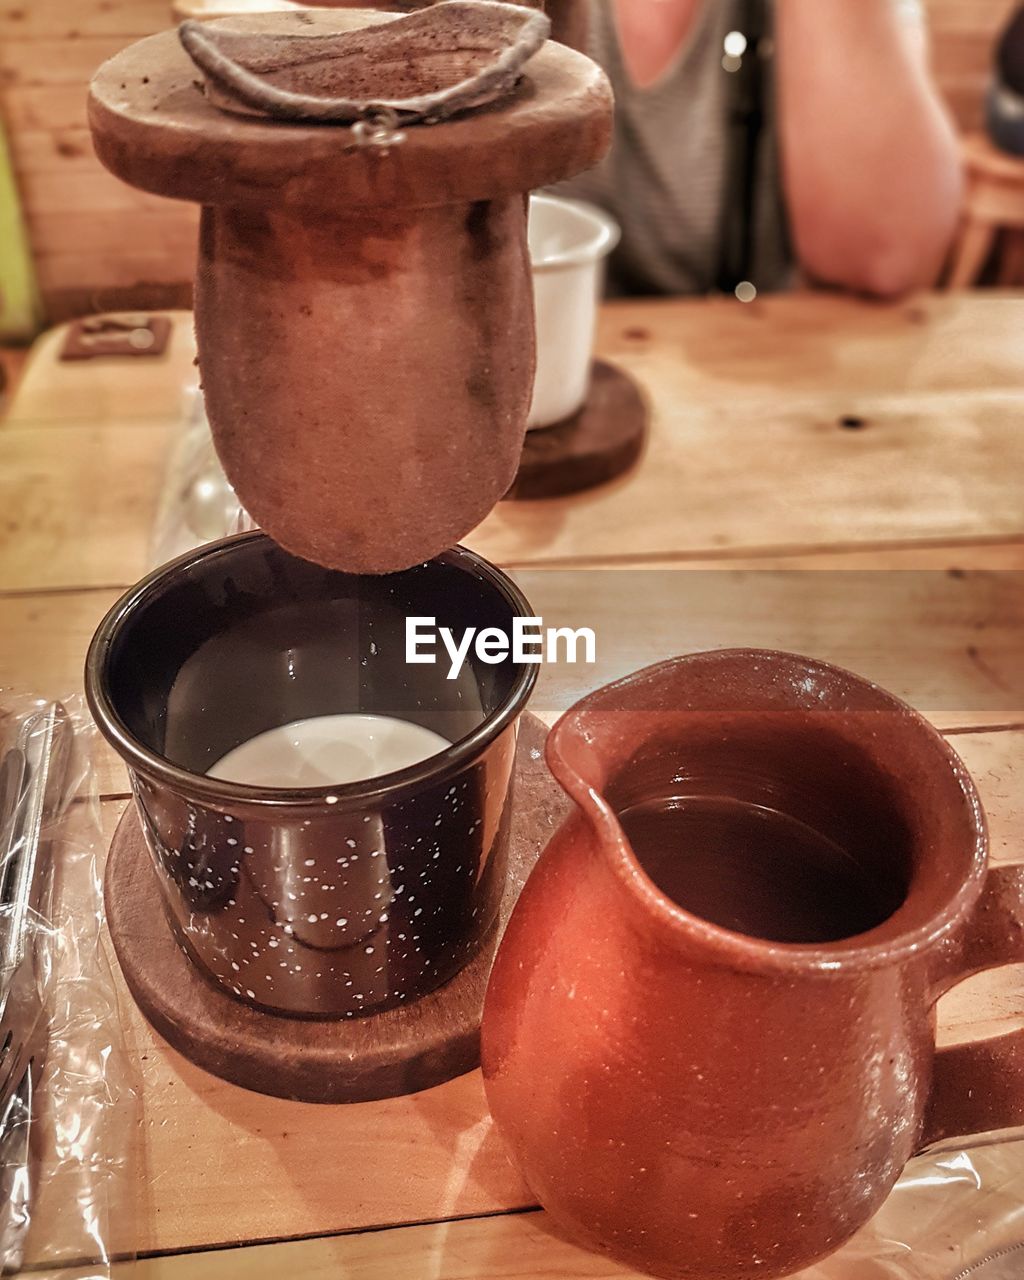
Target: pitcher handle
{"x": 979, "y": 1087}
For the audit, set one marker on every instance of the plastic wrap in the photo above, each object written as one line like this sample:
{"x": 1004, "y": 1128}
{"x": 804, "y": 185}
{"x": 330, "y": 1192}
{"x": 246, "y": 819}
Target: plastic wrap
{"x": 69, "y": 1111}
{"x": 957, "y": 1213}
{"x": 197, "y": 503}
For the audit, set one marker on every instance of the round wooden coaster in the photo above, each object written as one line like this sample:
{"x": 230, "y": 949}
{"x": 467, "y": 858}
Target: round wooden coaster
{"x": 595, "y": 445}
{"x": 383, "y": 1055}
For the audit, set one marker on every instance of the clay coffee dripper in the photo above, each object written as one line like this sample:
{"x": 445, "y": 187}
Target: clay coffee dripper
{"x": 704, "y": 1104}
{"x": 364, "y": 314}
{"x": 327, "y": 901}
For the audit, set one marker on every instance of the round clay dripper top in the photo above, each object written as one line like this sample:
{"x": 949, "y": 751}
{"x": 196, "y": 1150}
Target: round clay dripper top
{"x": 364, "y": 316}
{"x": 156, "y": 130}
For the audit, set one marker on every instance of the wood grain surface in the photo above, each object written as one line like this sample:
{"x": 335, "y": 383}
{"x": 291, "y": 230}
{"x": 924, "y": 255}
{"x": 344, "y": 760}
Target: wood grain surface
{"x": 419, "y": 1188}
{"x": 931, "y": 1212}
{"x": 949, "y": 644}
{"x": 751, "y": 447}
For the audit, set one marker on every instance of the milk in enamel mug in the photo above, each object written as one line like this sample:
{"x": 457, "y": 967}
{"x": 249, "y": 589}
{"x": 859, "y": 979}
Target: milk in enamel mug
{"x": 325, "y": 751}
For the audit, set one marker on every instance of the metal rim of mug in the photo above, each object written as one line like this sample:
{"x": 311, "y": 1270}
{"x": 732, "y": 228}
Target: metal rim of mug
{"x": 760, "y": 954}
{"x": 347, "y": 795}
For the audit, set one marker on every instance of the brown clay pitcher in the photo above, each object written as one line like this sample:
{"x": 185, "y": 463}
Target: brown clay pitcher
{"x": 709, "y": 1038}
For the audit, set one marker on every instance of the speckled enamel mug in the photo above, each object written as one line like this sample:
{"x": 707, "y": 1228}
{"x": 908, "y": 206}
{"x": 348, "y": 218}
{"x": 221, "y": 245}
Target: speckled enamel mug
{"x": 329, "y": 901}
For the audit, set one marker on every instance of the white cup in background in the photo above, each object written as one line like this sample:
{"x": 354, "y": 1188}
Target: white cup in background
{"x": 569, "y": 241}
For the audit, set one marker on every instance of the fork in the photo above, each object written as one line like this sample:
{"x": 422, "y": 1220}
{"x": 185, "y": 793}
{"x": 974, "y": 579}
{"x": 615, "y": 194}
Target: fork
{"x": 16, "y": 1173}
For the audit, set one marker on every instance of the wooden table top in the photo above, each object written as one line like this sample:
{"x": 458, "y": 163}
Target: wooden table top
{"x": 806, "y": 433}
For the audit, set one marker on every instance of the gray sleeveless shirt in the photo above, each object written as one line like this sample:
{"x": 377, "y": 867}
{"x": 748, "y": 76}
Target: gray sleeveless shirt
{"x": 664, "y": 178}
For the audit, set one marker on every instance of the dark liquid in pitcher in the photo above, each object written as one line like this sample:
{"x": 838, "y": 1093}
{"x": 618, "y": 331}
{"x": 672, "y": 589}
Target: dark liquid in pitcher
{"x": 753, "y": 870}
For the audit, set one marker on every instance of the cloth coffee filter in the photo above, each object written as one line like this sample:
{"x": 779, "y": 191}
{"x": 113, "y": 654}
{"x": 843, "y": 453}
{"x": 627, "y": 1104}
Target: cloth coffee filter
{"x": 428, "y": 65}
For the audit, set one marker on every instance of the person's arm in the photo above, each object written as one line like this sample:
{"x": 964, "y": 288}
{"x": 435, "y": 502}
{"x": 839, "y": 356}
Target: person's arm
{"x": 869, "y": 157}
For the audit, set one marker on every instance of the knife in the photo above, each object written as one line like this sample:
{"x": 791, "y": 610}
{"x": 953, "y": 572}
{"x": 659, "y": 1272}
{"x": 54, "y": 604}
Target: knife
{"x": 33, "y": 780}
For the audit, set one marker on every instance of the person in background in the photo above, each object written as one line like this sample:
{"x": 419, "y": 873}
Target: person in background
{"x": 757, "y": 140}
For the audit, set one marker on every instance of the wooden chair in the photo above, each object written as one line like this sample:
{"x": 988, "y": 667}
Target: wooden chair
{"x": 993, "y": 208}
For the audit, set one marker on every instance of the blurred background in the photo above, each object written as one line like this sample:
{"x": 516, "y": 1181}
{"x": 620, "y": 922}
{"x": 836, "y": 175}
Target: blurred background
{"x": 94, "y": 244}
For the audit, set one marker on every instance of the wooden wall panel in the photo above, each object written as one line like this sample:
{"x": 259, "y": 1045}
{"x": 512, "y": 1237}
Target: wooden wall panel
{"x": 99, "y": 244}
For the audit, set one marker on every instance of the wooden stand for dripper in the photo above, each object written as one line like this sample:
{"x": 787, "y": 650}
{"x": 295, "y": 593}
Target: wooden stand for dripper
{"x": 402, "y": 1050}
{"x": 363, "y": 313}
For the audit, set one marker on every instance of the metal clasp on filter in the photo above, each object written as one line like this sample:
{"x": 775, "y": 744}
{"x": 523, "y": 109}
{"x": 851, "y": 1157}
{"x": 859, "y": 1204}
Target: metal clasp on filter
{"x": 378, "y": 128}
